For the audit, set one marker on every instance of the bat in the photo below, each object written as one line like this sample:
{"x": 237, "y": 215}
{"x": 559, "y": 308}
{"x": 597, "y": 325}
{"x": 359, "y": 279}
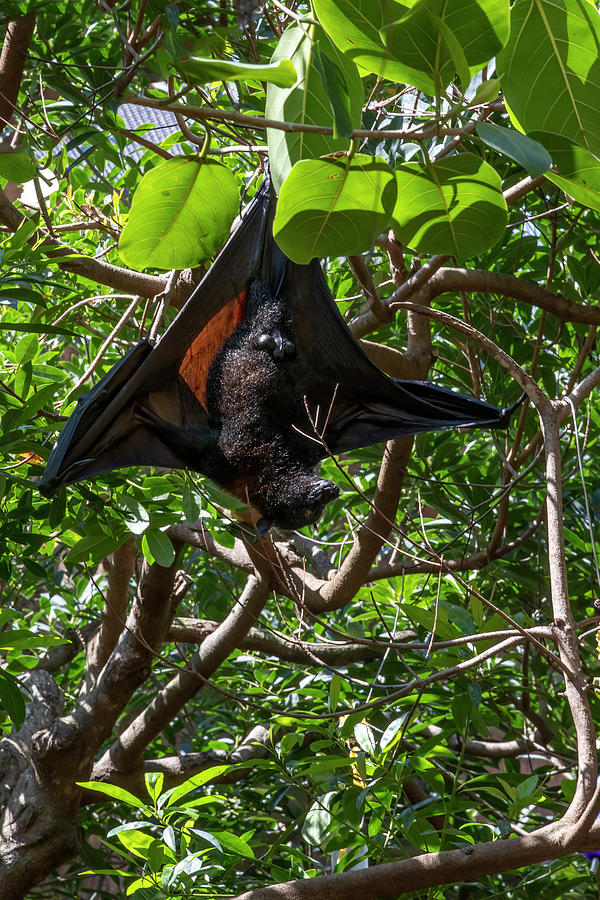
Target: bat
{"x": 256, "y": 380}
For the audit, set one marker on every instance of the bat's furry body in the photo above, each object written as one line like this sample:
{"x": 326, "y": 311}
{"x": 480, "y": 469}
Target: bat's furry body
{"x": 256, "y": 411}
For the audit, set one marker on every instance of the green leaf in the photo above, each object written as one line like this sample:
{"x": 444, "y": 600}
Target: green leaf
{"x": 334, "y": 207}
{"x": 154, "y": 784}
{"x": 427, "y": 618}
{"x": 137, "y": 518}
{"x": 364, "y": 738}
{"x": 136, "y": 842}
{"x": 453, "y": 206}
{"x": 23, "y": 639}
{"x": 530, "y": 154}
{"x": 95, "y": 546}
{"x": 354, "y": 26}
{"x": 181, "y": 214}
{"x": 17, "y": 166}
{"x": 552, "y": 55}
{"x": 195, "y": 781}
{"x": 336, "y": 88}
{"x": 392, "y": 733}
{"x": 191, "y": 503}
{"x": 27, "y": 349}
{"x": 307, "y": 102}
{"x": 36, "y": 328}
{"x": 334, "y": 691}
{"x": 578, "y": 172}
{"x": 158, "y": 548}
{"x": 281, "y": 73}
{"x": 234, "y": 844}
{"x": 117, "y": 793}
{"x": 11, "y": 698}
{"x": 453, "y": 48}
{"x": 428, "y": 38}
{"x": 315, "y": 829}
{"x": 15, "y": 294}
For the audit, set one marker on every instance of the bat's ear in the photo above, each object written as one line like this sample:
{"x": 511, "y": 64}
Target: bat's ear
{"x": 263, "y": 526}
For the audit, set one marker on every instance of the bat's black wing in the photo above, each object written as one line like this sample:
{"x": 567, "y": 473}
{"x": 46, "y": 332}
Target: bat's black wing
{"x": 151, "y": 407}
{"x": 118, "y": 423}
{"x": 348, "y": 393}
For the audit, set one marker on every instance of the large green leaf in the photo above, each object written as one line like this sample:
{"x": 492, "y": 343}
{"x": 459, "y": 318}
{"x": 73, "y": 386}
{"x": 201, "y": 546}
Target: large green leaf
{"x": 334, "y": 207}
{"x": 17, "y": 166}
{"x": 453, "y": 206}
{"x": 530, "y": 154}
{"x": 425, "y": 38}
{"x": 353, "y": 25}
{"x": 550, "y": 69}
{"x": 201, "y": 70}
{"x": 578, "y": 172}
{"x": 181, "y": 214}
{"x": 308, "y": 101}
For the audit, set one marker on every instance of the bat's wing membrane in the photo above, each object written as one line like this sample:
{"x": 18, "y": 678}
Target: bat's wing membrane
{"x": 153, "y": 402}
{"x": 349, "y": 395}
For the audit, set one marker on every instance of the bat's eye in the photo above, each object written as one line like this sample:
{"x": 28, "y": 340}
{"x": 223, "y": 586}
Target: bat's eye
{"x": 289, "y": 348}
{"x": 307, "y": 514}
{"x": 266, "y": 342}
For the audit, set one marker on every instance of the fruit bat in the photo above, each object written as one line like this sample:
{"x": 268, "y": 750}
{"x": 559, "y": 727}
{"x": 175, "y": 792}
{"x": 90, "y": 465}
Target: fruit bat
{"x": 256, "y": 380}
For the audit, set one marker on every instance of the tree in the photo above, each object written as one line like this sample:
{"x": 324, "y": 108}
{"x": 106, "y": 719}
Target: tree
{"x": 402, "y": 697}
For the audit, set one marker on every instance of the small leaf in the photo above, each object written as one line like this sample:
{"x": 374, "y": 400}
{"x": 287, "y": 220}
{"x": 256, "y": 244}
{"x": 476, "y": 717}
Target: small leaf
{"x": 137, "y": 518}
{"x": 11, "y": 698}
{"x": 136, "y": 842}
{"x": 158, "y": 548}
{"x": 181, "y": 214}
{"x": 334, "y": 691}
{"x": 154, "y": 783}
{"x": 364, "y": 738}
{"x": 27, "y": 348}
{"x": 281, "y": 73}
{"x": 393, "y": 730}
{"x": 191, "y": 503}
{"x": 196, "y": 781}
{"x": 333, "y": 207}
{"x": 17, "y": 166}
{"x": 117, "y": 793}
{"x": 315, "y": 829}
{"x": 532, "y": 155}
{"x": 234, "y": 844}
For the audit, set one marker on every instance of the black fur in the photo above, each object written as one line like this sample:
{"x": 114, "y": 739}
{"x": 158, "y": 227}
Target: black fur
{"x": 253, "y": 405}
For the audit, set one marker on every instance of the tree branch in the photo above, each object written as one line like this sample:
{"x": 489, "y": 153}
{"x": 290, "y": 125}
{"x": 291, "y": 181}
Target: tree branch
{"x": 274, "y": 643}
{"x": 125, "y": 753}
{"x": 12, "y": 62}
{"x": 120, "y": 569}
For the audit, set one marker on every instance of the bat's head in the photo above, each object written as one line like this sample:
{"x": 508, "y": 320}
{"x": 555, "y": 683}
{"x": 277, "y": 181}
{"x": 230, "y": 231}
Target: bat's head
{"x": 300, "y": 504}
